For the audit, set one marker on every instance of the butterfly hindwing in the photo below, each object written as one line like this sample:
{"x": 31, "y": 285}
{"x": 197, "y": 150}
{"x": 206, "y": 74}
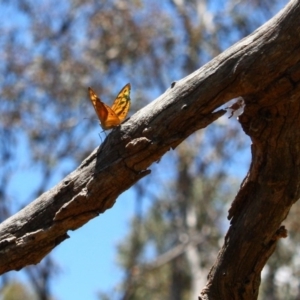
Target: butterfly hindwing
{"x": 122, "y": 103}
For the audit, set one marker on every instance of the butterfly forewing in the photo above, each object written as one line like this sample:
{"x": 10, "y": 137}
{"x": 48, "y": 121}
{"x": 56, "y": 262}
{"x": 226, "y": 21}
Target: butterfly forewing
{"x": 122, "y": 103}
{"x": 99, "y": 106}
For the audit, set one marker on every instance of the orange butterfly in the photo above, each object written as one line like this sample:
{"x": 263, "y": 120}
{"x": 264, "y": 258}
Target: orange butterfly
{"x": 112, "y": 117}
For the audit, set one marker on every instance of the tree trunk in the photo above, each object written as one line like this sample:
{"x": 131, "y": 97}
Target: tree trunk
{"x": 264, "y": 69}
{"x": 271, "y": 118}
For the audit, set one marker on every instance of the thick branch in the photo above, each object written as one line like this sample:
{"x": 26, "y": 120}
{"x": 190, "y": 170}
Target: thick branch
{"x": 251, "y": 66}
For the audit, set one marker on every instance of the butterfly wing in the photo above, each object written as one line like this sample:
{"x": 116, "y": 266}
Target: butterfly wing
{"x": 121, "y": 104}
{"x": 106, "y": 115}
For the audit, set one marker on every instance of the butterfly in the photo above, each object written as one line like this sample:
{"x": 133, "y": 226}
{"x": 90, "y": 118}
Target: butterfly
{"x": 112, "y": 116}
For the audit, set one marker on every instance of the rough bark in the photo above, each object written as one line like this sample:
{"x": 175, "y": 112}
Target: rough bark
{"x": 272, "y": 119}
{"x": 264, "y": 69}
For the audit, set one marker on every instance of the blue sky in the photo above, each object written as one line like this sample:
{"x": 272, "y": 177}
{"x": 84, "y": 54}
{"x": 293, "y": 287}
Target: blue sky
{"x": 88, "y": 257}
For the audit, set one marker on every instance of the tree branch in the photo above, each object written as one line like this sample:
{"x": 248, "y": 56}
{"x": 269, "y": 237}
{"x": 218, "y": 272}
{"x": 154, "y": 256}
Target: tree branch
{"x": 257, "y": 65}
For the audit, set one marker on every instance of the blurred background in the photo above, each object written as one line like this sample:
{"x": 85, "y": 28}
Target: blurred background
{"x": 163, "y": 235}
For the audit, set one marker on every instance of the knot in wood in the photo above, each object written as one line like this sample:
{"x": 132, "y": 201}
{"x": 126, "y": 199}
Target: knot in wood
{"x": 147, "y": 131}
{"x": 138, "y": 144}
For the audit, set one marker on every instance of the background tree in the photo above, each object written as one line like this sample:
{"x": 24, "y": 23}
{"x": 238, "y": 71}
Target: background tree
{"x": 50, "y": 56}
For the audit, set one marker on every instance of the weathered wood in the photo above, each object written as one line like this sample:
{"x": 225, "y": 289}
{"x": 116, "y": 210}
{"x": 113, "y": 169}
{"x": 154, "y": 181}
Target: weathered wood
{"x": 264, "y": 69}
{"x": 272, "y": 119}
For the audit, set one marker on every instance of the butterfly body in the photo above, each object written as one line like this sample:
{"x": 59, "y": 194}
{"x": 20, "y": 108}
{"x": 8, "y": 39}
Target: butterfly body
{"x": 111, "y": 117}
